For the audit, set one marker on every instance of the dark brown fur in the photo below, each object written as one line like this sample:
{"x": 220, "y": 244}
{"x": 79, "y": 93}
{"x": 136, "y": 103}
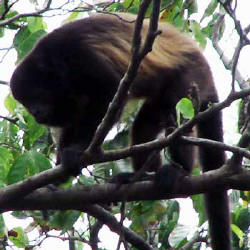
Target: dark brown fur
{"x": 72, "y": 74}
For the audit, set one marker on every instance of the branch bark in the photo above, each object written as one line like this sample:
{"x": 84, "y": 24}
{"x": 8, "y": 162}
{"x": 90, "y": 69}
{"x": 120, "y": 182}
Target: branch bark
{"x": 74, "y": 198}
{"x": 17, "y": 190}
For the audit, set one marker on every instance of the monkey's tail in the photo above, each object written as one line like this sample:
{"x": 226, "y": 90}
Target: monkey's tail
{"x": 217, "y": 208}
{"x": 216, "y": 202}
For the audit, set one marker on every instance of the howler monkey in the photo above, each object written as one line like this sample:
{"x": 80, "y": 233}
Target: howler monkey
{"x": 72, "y": 74}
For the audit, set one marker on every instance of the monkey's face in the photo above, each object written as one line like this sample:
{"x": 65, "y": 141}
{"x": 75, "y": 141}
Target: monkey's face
{"x": 48, "y": 109}
{"x": 43, "y": 93}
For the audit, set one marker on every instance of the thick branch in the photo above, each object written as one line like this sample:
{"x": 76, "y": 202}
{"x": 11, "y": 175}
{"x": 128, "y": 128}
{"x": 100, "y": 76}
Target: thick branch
{"x": 74, "y": 198}
{"x": 20, "y": 189}
{"x": 23, "y": 188}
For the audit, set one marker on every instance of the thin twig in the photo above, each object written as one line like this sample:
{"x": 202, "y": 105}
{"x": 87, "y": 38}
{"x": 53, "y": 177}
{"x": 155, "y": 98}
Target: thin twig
{"x": 9, "y": 119}
{"x": 243, "y": 41}
{"x": 36, "y": 13}
{"x": 225, "y": 60}
{"x": 4, "y": 82}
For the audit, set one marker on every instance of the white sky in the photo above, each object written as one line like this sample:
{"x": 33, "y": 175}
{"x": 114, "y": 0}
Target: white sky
{"x": 222, "y": 79}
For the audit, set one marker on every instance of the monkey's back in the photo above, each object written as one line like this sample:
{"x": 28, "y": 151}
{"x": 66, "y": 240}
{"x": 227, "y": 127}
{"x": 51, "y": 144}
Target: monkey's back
{"x": 108, "y": 38}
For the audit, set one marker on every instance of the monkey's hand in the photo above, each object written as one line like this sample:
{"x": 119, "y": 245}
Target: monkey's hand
{"x": 122, "y": 178}
{"x": 71, "y": 160}
{"x": 168, "y": 177}
{"x": 128, "y": 177}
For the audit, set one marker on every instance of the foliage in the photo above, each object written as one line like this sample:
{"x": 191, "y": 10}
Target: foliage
{"x": 27, "y": 148}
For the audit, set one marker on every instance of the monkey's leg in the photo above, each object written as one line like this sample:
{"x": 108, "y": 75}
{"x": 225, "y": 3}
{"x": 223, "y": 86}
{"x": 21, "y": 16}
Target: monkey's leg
{"x": 146, "y": 127}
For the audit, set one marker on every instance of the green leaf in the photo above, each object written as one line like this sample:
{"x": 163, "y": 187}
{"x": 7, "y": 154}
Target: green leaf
{"x": 242, "y": 218}
{"x": 173, "y": 12}
{"x": 1, "y": 32}
{"x": 199, "y": 36}
{"x": 120, "y": 140}
{"x": 115, "y": 7}
{"x": 132, "y": 6}
{"x": 208, "y": 30}
{"x": 234, "y": 198}
{"x": 64, "y": 220}
{"x": 2, "y": 9}
{"x": 35, "y": 24}
{"x": 9, "y": 135}
{"x": 29, "y": 43}
{"x": 3, "y": 228}
{"x": 86, "y": 180}
{"x": 25, "y": 40}
{"x": 33, "y": 130}
{"x": 6, "y": 158}
{"x": 26, "y": 165}
{"x": 185, "y": 109}
{"x": 192, "y": 7}
{"x": 10, "y": 15}
{"x": 210, "y": 9}
{"x": 168, "y": 224}
{"x": 198, "y": 203}
{"x": 73, "y": 16}
{"x": 179, "y": 233}
{"x": 130, "y": 109}
{"x": 238, "y": 232}
{"x": 10, "y": 104}
{"x": 20, "y": 37}
{"x": 19, "y": 237}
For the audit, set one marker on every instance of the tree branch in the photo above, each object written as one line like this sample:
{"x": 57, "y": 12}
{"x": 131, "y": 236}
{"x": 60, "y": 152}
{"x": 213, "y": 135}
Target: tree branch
{"x": 229, "y": 64}
{"x": 4, "y": 82}
{"x": 9, "y": 119}
{"x": 17, "y": 190}
{"x": 74, "y": 198}
{"x": 138, "y": 54}
{"x": 106, "y": 218}
{"x": 93, "y": 235}
{"x": 215, "y": 144}
{"x": 242, "y": 32}
{"x": 36, "y": 13}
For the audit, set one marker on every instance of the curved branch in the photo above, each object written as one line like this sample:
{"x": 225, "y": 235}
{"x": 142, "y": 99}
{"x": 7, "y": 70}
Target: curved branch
{"x": 106, "y": 218}
{"x": 219, "y": 145}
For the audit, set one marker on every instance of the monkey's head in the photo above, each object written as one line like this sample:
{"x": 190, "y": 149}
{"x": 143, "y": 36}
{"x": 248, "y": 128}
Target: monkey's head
{"x": 44, "y": 92}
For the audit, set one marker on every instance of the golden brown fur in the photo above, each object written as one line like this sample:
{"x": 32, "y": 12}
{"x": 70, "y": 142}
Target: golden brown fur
{"x": 169, "y": 48}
